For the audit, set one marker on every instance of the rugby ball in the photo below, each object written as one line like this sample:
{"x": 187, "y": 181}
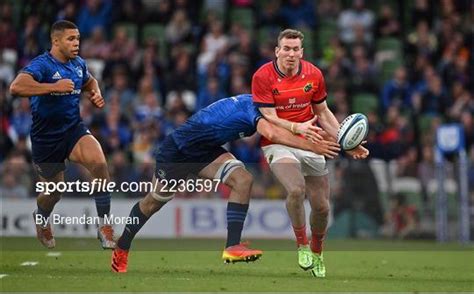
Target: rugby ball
{"x": 352, "y": 131}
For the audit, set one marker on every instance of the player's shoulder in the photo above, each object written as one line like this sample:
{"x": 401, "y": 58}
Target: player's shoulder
{"x": 78, "y": 60}
{"x": 264, "y": 70}
{"x": 42, "y": 58}
{"x": 310, "y": 68}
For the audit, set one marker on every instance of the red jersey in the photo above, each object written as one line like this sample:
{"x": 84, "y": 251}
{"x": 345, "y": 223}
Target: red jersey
{"x": 293, "y": 96}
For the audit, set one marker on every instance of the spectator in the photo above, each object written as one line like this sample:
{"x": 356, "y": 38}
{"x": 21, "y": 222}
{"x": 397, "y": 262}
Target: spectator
{"x": 94, "y": 13}
{"x": 299, "y": 14}
{"x": 8, "y": 36}
{"x": 213, "y": 43}
{"x": 387, "y": 25}
{"x": 397, "y": 91}
{"x": 20, "y": 121}
{"x": 401, "y": 221}
{"x": 178, "y": 30}
{"x": 209, "y": 95}
{"x": 96, "y": 46}
{"x": 358, "y": 15}
{"x": 10, "y": 188}
{"x": 68, "y": 12}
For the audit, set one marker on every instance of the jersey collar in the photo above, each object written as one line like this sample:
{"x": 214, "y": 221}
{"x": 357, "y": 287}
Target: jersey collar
{"x": 281, "y": 74}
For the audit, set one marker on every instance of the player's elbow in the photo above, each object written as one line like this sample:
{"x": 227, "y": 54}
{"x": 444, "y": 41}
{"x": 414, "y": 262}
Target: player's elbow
{"x": 265, "y": 129}
{"x": 14, "y": 89}
{"x": 269, "y": 134}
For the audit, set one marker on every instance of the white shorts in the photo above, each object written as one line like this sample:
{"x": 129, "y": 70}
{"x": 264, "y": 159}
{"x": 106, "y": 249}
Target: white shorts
{"x": 311, "y": 164}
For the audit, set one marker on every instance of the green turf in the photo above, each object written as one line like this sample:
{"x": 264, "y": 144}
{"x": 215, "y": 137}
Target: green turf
{"x": 371, "y": 266}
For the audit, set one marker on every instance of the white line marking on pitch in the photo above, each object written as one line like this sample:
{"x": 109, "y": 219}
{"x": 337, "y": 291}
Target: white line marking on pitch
{"x": 3, "y": 276}
{"x": 54, "y": 254}
{"x": 29, "y": 263}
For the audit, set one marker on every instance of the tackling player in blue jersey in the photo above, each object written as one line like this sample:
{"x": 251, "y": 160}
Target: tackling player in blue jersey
{"x": 195, "y": 148}
{"x": 53, "y": 82}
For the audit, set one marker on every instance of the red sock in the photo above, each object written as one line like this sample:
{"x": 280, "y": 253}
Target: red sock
{"x": 300, "y": 233}
{"x": 317, "y": 242}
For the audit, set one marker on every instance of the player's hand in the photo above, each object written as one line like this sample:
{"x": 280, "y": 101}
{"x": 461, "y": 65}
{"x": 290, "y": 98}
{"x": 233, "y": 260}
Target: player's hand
{"x": 328, "y": 149}
{"x": 360, "y": 152}
{"x": 96, "y": 99}
{"x": 309, "y": 130}
{"x": 63, "y": 86}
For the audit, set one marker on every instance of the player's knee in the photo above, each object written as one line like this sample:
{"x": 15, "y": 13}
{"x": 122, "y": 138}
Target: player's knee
{"x": 322, "y": 209}
{"x": 296, "y": 192}
{"x": 53, "y": 197}
{"x": 150, "y": 204}
{"x": 240, "y": 180}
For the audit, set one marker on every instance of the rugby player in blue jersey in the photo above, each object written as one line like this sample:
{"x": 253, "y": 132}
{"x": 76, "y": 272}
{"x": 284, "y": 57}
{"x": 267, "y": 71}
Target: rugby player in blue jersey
{"x": 195, "y": 148}
{"x": 53, "y": 81}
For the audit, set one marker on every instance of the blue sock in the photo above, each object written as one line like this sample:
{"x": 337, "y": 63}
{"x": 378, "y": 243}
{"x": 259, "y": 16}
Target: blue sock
{"x": 102, "y": 203}
{"x": 236, "y": 214}
{"x": 132, "y": 229}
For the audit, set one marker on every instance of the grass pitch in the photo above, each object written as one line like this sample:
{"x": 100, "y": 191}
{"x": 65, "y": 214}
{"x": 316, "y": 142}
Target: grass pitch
{"x": 195, "y": 265}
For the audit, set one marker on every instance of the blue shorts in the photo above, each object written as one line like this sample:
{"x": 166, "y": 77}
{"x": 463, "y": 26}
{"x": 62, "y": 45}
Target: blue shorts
{"x": 172, "y": 163}
{"x": 49, "y": 156}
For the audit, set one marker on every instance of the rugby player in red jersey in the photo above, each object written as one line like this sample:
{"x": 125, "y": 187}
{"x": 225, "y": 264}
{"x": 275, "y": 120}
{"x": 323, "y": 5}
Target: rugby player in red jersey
{"x": 289, "y": 92}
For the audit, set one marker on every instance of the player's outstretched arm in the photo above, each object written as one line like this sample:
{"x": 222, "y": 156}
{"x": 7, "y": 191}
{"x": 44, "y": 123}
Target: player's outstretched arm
{"x": 25, "y": 86}
{"x": 93, "y": 89}
{"x": 308, "y": 129}
{"x": 360, "y": 152}
{"x": 327, "y": 120}
{"x": 279, "y": 135}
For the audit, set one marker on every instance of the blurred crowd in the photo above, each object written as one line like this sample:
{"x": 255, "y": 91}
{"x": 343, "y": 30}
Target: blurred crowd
{"x": 408, "y": 65}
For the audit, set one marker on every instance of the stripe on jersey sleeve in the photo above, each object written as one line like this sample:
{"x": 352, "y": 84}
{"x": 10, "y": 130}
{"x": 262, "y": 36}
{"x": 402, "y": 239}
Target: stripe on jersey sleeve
{"x": 259, "y": 104}
{"x": 320, "y": 101}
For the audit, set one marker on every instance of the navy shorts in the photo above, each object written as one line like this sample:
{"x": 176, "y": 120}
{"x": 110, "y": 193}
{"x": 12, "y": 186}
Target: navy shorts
{"x": 172, "y": 163}
{"x": 49, "y": 156}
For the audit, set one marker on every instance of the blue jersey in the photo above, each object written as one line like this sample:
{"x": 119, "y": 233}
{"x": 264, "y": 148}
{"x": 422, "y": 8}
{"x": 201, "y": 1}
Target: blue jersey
{"x": 55, "y": 113}
{"x": 223, "y": 121}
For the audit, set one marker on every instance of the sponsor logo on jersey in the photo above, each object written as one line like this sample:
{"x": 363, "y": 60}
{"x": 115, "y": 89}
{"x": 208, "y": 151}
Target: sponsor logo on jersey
{"x": 161, "y": 173}
{"x": 79, "y": 71}
{"x": 74, "y": 92}
{"x": 275, "y": 92}
{"x": 308, "y": 87}
{"x": 56, "y": 76}
{"x": 292, "y": 100}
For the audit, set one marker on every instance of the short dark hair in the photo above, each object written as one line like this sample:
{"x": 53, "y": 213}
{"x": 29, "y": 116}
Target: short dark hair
{"x": 62, "y": 25}
{"x": 290, "y": 34}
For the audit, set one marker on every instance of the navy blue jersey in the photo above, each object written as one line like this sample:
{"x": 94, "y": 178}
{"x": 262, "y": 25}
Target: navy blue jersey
{"x": 223, "y": 121}
{"x": 55, "y": 113}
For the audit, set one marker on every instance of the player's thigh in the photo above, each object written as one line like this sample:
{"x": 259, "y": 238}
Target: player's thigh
{"x": 312, "y": 164}
{"x": 87, "y": 150}
{"x": 59, "y": 177}
{"x": 286, "y": 167}
{"x": 229, "y": 170}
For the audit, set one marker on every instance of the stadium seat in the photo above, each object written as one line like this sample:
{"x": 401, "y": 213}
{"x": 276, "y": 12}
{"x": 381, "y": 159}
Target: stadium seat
{"x": 391, "y": 44}
{"x": 365, "y": 103}
{"x": 324, "y": 35}
{"x": 266, "y": 34}
{"x": 157, "y": 32}
{"x": 244, "y": 17}
{"x": 309, "y": 45}
{"x": 424, "y": 122}
{"x": 130, "y": 28}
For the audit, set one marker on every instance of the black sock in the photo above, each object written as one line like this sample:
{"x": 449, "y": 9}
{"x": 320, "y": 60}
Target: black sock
{"x": 236, "y": 214}
{"x": 102, "y": 204}
{"x": 43, "y": 220}
{"x": 132, "y": 229}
